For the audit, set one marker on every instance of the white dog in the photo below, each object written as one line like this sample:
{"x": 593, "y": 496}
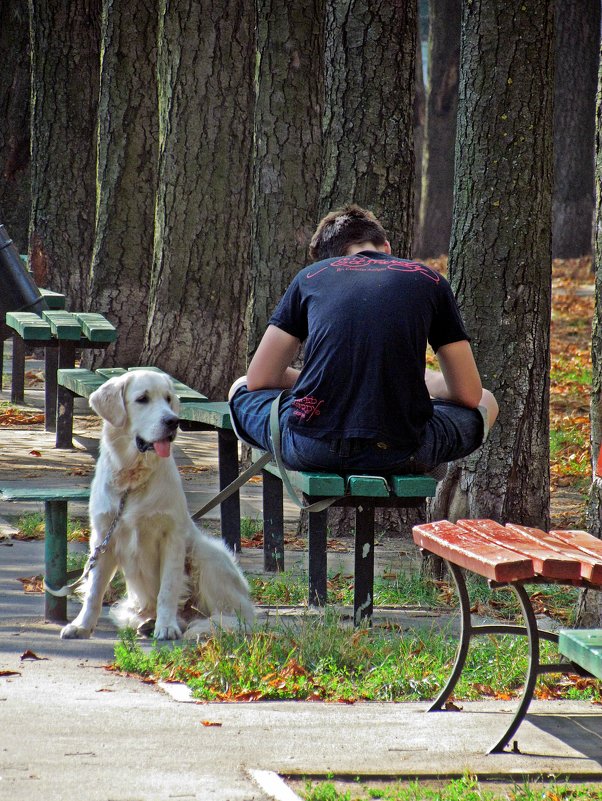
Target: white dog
{"x": 137, "y": 495}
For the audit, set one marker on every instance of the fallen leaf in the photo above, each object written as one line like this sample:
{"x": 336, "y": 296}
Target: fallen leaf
{"x": 35, "y": 453}
{"x": 34, "y": 657}
{"x": 450, "y": 706}
{"x": 9, "y": 673}
{"x": 210, "y": 723}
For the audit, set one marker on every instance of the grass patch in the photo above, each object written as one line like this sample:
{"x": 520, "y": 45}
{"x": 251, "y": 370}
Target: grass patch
{"x": 322, "y": 658}
{"x": 464, "y": 789}
{"x": 31, "y": 527}
{"x": 412, "y": 590}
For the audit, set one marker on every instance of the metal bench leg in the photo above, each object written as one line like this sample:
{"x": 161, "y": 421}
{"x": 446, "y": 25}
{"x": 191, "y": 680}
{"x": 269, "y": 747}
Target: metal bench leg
{"x": 51, "y": 363}
{"x": 227, "y": 444}
{"x": 317, "y": 555}
{"x": 363, "y": 599}
{"x": 55, "y": 609}
{"x": 17, "y": 393}
{"x": 64, "y": 399}
{"x": 465, "y": 634}
{"x": 273, "y": 523}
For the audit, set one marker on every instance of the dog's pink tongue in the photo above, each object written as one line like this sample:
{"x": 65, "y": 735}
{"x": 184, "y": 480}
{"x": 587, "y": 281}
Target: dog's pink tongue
{"x": 162, "y": 447}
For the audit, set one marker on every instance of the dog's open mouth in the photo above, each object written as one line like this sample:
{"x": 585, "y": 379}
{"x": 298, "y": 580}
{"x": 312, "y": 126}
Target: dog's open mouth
{"x": 161, "y": 447}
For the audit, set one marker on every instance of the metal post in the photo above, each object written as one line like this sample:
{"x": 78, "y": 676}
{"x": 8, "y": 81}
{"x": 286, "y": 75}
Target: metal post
{"x": 363, "y": 599}
{"x": 317, "y": 555}
{"x": 273, "y": 523}
{"x": 227, "y": 445}
{"x": 55, "y": 546}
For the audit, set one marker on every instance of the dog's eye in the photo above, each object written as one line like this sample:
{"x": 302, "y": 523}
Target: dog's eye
{"x": 142, "y": 399}
{"x": 168, "y": 398}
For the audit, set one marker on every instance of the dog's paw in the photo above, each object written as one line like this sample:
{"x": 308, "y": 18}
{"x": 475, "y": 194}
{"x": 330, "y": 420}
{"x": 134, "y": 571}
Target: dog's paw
{"x": 167, "y": 632}
{"x": 73, "y": 632}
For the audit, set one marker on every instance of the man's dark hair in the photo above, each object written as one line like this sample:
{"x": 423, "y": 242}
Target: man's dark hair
{"x": 344, "y": 227}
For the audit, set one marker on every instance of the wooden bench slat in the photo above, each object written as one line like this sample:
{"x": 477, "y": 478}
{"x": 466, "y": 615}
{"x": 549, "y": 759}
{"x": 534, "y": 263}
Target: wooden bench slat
{"x": 367, "y": 486}
{"x": 583, "y": 646}
{"x": 63, "y": 324}
{"x": 111, "y": 372}
{"x": 545, "y": 562}
{"x": 582, "y": 540}
{"x": 96, "y": 327}
{"x": 413, "y": 486}
{"x": 29, "y": 326}
{"x": 215, "y": 414}
{"x": 79, "y": 380}
{"x": 54, "y": 300}
{"x": 316, "y": 484}
{"x": 468, "y": 550}
{"x": 591, "y": 567}
{"x": 44, "y": 493}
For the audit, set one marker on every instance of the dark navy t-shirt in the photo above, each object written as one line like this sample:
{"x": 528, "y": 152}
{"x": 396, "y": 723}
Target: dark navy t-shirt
{"x": 366, "y": 320}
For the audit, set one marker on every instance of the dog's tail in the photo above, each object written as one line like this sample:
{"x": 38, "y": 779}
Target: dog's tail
{"x": 216, "y": 581}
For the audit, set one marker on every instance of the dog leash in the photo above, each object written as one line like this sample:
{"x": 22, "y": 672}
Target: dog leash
{"x": 69, "y": 589}
{"x": 258, "y": 465}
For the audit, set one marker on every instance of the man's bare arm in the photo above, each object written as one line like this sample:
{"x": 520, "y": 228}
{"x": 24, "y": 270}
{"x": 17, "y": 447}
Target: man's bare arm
{"x": 459, "y": 379}
{"x": 270, "y": 366}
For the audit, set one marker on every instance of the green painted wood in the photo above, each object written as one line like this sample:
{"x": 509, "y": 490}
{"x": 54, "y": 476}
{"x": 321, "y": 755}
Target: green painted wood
{"x": 63, "y": 324}
{"x": 583, "y": 646}
{"x": 317, "y": 484}
{"x": 34, "y": 493}
{"x": 55, "y": 557}
{"x": 80, "y": 381}
{"x": 368, "y": 486}
{"x": 54, "y": 300}
{"x": 96, "y": 327}
{"x": 216, "y": 414}
{"x": 111, "y": 372}
{"x": 29, "y": 326}
{"x": 413, "y": 486}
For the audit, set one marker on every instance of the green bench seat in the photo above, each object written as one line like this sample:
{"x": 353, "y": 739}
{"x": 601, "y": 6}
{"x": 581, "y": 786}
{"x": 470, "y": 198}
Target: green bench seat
{"x": 61, "y": 334}
{"x": 583, "y": 647}
{"x": 55, "y": 544}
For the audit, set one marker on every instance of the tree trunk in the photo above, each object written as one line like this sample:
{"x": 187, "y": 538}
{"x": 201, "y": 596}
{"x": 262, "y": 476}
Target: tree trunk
{"x": 368, "y": 149}
{"x": 14, "y": 121}
{"x": 368, "y": 153}
{"x": 202, "y": 235}
{"x": 440, "y": 129}
{"x": 577, "y": 44}
{"x": 127, "y": 174}
{"x": 288, "y": 120}
{"x": 419, "y": 124}
{"x": 500, "y": 259}
{"x": 65, "y": 37}
{"x": 589, "y": 612}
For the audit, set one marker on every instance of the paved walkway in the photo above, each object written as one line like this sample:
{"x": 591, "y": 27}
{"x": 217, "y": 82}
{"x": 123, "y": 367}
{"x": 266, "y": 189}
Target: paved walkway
{"x": 72, "y": 730}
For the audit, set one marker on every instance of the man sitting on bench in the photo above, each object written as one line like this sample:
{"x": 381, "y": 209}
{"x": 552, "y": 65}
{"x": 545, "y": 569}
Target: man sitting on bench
{"x": 364, "y": 400}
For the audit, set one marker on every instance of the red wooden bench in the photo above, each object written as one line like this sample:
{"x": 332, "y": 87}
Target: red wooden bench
{"x": 512, "y": 556}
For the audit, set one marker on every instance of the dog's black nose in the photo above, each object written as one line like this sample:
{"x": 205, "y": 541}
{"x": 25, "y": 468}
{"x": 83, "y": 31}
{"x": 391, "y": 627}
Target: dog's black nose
{"x": 171, "y": 423}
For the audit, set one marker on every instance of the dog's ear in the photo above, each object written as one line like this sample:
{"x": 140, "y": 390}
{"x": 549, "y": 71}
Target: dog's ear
{"x": 108, "y": 401}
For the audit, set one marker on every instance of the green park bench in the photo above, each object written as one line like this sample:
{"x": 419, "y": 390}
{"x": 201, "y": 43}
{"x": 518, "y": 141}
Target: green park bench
{"x": 62, "y": 335}
{"x": 514, "y": 556}
{"x": 365, "y": 493}
{"x": 56, "y": 503}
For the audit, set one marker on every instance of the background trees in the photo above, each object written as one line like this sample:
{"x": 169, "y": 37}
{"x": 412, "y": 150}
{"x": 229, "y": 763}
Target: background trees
{"x": 181, "y": 155}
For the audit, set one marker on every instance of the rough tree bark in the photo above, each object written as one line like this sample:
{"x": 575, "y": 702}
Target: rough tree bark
{"x": 440, "y": 129}
{"x": 500, "y": 255}
{"x": 127, "y": 174}
{"x": 589, "y": 612}
{"x": 287, "y": 151}
{"x": 368, "y": 152}
{"x": 202, "y": 226}
{"x": 577, "y": 44}
{"x": 14, "y": 121}
{"x": 65, "y": 36}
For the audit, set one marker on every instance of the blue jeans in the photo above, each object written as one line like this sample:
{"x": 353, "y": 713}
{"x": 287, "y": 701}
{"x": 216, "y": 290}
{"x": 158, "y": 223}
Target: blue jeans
{"x": 452, "y": 433}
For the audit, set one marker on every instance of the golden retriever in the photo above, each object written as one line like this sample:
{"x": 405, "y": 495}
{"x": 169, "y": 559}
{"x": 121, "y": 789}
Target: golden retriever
{"x": 153, "y": 537}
